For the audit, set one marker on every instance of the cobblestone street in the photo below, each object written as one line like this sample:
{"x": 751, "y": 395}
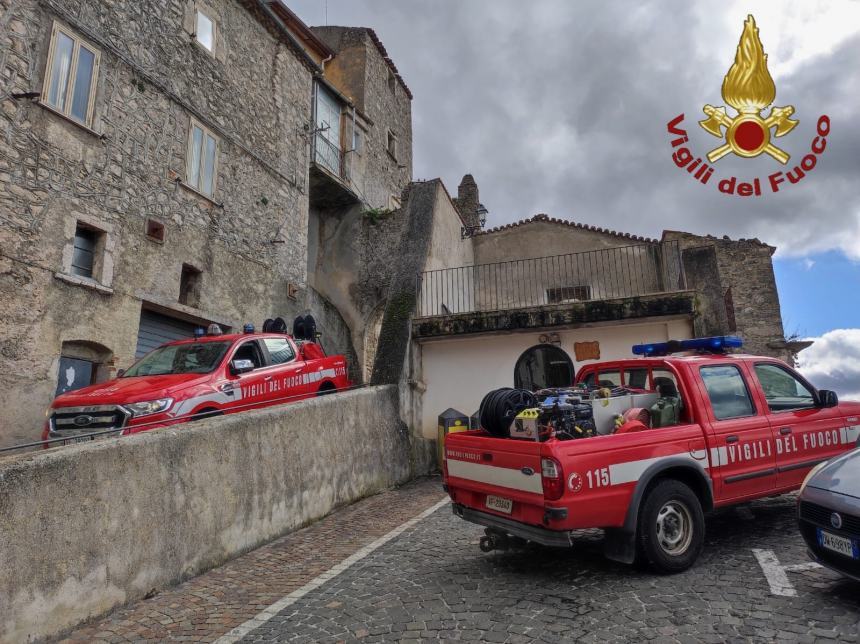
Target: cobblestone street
{"x": 430, "y": 582}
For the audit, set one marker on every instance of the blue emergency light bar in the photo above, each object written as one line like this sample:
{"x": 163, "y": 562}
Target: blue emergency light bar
{"x": 716, "y": 344}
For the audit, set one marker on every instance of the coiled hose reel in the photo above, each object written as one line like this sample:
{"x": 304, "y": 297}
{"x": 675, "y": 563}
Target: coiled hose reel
{"x": 500, "y": 406}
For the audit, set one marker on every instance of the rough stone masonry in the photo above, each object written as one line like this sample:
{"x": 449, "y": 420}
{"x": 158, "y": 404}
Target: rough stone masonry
{"x": 127, "y": 169}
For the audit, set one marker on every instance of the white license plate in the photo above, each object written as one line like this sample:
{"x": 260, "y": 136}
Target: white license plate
{"x": 843, "y": 546}
{"x": 499, "y": 504}
{"x": 81, "y": 439}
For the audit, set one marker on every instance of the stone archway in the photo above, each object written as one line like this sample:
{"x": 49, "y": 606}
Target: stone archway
{"x": 81, "y": 364}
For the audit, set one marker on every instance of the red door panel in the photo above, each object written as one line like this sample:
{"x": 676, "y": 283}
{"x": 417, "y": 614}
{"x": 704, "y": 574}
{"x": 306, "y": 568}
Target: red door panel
{"x": 742, "y": 454}
{"x": 804, "y": 434}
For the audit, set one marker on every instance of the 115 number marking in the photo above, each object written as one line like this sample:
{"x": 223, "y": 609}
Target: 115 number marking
{"x": 598, "y": 477}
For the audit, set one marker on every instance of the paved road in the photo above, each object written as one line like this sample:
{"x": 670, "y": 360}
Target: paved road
{"x": 430, "y": 582}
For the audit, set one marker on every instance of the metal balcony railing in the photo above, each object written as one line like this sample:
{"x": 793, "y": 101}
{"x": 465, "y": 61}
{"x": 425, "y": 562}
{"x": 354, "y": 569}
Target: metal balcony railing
{"x": 329, "y": 156}
{"x": 625, "y": 271}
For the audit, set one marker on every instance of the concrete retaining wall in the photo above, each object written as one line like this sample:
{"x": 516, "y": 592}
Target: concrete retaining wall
{"x": 86, "y": 528}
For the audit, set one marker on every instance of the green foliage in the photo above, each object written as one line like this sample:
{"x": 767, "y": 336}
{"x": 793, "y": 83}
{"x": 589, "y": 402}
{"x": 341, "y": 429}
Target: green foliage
{"x": 374, "y": 215}
{"x": 394, "y": 331}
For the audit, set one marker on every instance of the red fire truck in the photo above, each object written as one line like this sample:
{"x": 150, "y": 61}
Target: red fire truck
{"x": 209, "y": 375}
{"x": 643, "y": 448}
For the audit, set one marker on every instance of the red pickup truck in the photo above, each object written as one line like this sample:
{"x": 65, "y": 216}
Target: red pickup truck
{"x": 209, "y": 375}
{"x": 705, "y": 430}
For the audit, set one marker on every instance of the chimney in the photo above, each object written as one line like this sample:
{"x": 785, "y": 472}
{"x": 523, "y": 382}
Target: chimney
{"x": 467, "y": 202}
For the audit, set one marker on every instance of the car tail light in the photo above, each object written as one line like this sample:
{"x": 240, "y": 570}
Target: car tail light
{"x": 552, "y": 478}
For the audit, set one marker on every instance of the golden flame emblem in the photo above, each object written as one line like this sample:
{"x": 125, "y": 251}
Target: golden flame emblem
{"x": 749, "y": 89}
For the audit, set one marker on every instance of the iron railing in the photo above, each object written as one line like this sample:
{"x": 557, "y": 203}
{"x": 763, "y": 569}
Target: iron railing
{"x": 610, "y": 273}
{"x": 329, "y": 156}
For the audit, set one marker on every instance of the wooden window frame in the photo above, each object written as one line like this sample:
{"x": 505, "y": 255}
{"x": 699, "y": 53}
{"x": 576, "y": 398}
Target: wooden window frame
{"x": 188, "y": 157}
{"x": 77, "y": 41}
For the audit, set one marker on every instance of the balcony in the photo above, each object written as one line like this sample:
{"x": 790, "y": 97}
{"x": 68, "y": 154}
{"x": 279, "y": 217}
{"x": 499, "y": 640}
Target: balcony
{"x": 612, "y": 284}
{"x": 329, "y": 175}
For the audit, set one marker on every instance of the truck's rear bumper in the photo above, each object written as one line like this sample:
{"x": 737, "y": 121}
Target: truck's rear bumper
{"x": 555, "y": 538}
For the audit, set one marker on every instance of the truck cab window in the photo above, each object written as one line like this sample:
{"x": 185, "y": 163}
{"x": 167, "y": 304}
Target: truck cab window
{"x": 609, "y": 378}
{"x": 669, "y": 409}
{"x": 727, "y": 391}
{"x": 249, "y": 351}
{"x": 280, "y": 350}
{"x": 636, "y": 378}
{"x": 782, "y": 390}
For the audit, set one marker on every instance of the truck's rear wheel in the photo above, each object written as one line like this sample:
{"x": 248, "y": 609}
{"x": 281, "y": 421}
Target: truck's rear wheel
{"x": 326, "y": 388}
{"x": 671, "y": 527}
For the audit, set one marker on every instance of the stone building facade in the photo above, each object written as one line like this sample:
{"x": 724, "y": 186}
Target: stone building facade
{"x": 166, "y": 165}
{"x": 542, "y": 297}
{"x": 377, "y": 119}
{"x": 358, "y": 182}
{"x": 738, "y": 289}
{"x": 106, "y": 220}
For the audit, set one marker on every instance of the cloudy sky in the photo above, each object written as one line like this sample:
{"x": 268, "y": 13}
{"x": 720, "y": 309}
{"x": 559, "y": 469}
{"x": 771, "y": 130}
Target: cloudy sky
{"x": 561, "y": 107}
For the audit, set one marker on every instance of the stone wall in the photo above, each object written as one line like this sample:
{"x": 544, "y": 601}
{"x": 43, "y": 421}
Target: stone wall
{"x": 357, "y": 256}
{"x": 745, "y": 299}
{"x": 248, "y": 241}
{"x": 155, "y": 508}
{"x": 361, "y": 71}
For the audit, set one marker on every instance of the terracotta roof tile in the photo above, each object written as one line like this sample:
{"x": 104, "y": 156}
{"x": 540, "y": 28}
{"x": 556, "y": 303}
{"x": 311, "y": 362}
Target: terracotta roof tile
{"x": 565, "y": 222}
{"x": 388, "y": 61}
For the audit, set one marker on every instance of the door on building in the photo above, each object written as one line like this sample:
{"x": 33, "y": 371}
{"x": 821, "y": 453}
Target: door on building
{"x": 543, "y": 366}
{"x": 74, "y": 374}
{"x": 156, "y": 329}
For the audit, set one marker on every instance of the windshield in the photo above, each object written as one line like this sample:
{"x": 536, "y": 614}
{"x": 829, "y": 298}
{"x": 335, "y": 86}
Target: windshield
{"x": 199, "y": 357}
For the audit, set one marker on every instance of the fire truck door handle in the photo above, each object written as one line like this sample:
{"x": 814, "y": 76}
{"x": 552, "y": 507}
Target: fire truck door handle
{"x": 227, "y": 388}
{"x": 731, "y": 439}
{"x": 267, "y": 378}
{"x": 785, "y": 431}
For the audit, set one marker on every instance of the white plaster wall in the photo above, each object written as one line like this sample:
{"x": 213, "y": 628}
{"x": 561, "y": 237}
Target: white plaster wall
{"x": 458, "y": 372}
{"x": 447, "y": 247}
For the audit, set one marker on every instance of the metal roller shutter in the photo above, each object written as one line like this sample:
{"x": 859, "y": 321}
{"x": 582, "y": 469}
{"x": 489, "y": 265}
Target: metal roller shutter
{"x": 156, "y": 329}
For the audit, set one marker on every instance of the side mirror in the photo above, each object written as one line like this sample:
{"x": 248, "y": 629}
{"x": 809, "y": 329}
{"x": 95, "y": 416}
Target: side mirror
{"x": 827, "y": 398}
{"x": 120, "y": 373}
{"x": 241, "y": 366}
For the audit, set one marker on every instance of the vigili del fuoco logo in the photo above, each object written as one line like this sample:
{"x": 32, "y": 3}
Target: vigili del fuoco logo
{"x": 748, "y": 89}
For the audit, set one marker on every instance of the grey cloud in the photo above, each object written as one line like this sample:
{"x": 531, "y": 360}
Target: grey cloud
{"x": 833, "y": 362}
{"x": 562, "y": 107}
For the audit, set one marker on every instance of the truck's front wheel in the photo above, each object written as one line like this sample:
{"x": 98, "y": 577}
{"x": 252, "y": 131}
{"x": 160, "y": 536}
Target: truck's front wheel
{"x": 671, "y": 527}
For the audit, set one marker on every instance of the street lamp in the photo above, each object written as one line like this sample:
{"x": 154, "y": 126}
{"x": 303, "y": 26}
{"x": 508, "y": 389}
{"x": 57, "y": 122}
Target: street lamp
{"x": 468, "y": 231}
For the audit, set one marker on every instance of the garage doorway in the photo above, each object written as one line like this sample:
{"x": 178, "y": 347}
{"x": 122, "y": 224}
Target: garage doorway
{"x": 543, "y": 366}
{"x": 156, "y": 329}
